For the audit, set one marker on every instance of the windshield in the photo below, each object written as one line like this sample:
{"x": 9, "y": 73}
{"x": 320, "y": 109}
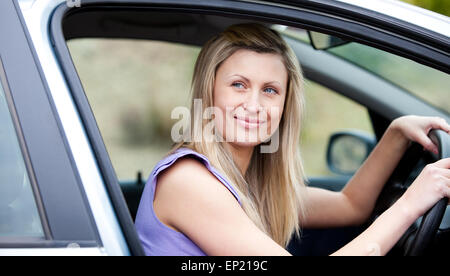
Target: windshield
{"x": 428, "y": 84}
{"x": 422, "y": 81}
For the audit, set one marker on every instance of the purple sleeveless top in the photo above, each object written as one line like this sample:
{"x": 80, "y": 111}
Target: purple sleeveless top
{"x": 156, "y": 238}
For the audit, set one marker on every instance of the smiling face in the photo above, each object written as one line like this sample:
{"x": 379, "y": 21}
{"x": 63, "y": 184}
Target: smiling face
{"x": 249, "y": 91}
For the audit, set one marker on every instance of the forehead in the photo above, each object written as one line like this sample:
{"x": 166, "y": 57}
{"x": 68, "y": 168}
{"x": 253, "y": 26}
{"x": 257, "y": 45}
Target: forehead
{"x": 254, "y": 65}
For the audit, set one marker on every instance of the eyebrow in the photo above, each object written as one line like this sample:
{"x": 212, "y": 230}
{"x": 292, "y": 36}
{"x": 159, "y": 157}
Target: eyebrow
{"x": 247, "y": 80}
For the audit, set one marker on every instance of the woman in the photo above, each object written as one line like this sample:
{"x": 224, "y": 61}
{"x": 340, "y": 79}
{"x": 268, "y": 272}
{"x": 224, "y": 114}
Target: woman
{"x": 219, "y": 193}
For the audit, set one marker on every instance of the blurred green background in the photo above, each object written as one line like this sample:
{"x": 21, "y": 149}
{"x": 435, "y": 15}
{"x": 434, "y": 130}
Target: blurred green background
{"x": 439, "y": 6}
{"x": 133, "y": 85}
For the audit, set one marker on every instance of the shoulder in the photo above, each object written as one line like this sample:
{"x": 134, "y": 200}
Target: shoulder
{"x": 188, "y": 182}
{"x": 183, "y": 167}
{"x": 186, "y": 175}
{"x": 191, "y": 200}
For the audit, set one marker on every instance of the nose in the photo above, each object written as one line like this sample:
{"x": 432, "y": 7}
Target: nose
{"x": 252, "y": 104}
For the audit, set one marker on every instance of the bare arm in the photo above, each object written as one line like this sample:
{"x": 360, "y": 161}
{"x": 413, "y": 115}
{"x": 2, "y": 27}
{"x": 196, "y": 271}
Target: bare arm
{"x": 354, "y": 204}
{"x": 431, "y": 185}
{"x": 382, "y": 235}
{"x": 191, "y": 200}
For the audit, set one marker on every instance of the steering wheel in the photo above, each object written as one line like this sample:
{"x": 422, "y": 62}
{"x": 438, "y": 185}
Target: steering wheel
{"x": 418, "y": 238}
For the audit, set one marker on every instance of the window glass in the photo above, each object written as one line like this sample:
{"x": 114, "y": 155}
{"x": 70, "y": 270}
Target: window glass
{"x": 327, "y": 112}
{"x": 18, "y": 211}
{"x": 422, "y": 81}
{"x": 132, "y": 87}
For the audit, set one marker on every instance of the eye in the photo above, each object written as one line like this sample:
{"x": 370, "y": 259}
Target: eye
{"x": 270, "y": 90}
{"x": 239, "y": 85}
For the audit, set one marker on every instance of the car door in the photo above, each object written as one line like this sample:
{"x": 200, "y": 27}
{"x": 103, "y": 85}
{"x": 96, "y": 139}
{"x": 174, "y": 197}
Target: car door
{"x": 129, "y": 19}
{"x": 42, "y": 205}
{"x": 104, "y": 205}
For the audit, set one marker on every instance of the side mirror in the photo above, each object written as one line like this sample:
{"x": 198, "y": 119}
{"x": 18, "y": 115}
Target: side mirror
{"x": 321, "y": 41}
{"x": 347, "y": 151}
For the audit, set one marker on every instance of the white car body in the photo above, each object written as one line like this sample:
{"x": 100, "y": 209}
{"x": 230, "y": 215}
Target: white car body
{"x": 37, "y": 16}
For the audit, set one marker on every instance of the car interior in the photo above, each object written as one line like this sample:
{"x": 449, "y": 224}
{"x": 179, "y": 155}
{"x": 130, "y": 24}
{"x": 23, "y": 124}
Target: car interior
{"x": 190, "y": 28}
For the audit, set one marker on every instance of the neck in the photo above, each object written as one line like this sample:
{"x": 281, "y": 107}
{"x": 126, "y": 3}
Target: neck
{"x": 241, "y": 156}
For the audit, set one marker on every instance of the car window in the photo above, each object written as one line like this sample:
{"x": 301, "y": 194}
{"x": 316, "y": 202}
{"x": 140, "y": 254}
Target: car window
{"x": 133, "y": 85}
{"x": 429, "y": 84}
{"x": 424, "y": 82}
{"x": 327, "y": 112}
{"x": 19, "y": 215}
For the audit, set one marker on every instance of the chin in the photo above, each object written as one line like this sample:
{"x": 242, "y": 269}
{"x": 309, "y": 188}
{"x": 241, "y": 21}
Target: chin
{"x": 246, "y": 144}
{"x": 248, "y": 141}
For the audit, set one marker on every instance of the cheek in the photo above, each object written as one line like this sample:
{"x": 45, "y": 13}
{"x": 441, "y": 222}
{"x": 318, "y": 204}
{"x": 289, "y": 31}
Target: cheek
{"x": 223, "y": 102}
{"x": 224, "y": 98}
{"x": 276, "y": 112}
{"x": 226, "y": 101}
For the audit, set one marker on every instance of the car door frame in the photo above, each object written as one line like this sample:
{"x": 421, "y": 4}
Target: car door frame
{"x": 62, "y": 205}
{"x": 302, "y": 16}
{"x": 35, "y": 18}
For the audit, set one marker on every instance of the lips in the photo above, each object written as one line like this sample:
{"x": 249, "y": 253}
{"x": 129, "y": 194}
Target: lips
{"x": 248, "y": 122}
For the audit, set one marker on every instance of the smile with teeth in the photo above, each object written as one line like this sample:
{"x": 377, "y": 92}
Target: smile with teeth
{"x": 249, "y": 122}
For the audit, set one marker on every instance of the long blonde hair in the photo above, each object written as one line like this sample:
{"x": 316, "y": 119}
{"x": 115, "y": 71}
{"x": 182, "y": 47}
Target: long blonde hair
{"x": 272, "y": 190}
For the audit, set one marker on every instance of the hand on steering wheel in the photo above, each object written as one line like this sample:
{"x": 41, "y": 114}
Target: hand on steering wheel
{"x": 430, "y": 189}
{"x": 433, "y": 183}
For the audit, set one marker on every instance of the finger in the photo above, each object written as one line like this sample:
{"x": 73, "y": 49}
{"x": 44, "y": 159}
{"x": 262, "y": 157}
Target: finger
{"x": 440, "y": 123}
{"x": 447, "y": 194}
{"x": 426, "y": 142}
{"x": 443, "y": 163}
{"x": 444, "y": 172}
